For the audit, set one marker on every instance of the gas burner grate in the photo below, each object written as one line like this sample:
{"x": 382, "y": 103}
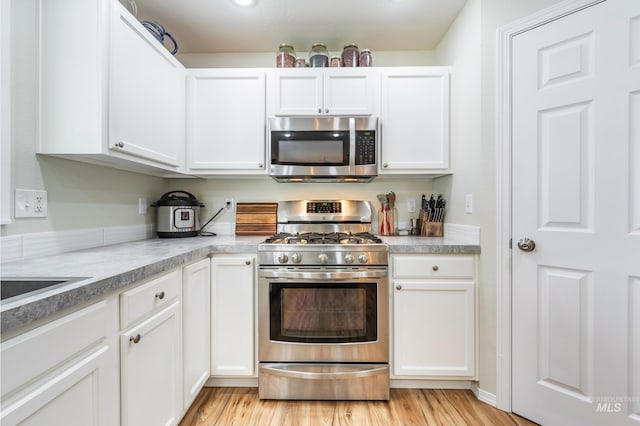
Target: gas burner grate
{"x": 324, "y": 238}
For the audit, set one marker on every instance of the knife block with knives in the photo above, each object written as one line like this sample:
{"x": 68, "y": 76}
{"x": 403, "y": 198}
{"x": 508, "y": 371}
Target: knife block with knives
{"x": 431, "y": 217}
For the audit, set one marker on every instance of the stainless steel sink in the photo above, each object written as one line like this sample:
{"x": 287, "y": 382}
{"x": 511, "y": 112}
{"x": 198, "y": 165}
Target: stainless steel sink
{"x": 11, "y": 288}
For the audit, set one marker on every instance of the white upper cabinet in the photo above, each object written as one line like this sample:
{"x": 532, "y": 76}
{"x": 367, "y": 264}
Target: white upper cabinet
{"x": 146, "y": 94}
{"x": 414, "y": 113}
{"x": 323, "y": 91}
{"x": 109, "y": 92}
{"x": 226, "y": 121}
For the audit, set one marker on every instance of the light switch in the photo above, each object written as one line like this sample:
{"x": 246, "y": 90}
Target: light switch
{"x": 468, "y": 203}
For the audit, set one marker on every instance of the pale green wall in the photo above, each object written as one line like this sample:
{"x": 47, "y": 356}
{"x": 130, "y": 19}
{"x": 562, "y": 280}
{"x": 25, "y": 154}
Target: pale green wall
{"x": 470, "y": 47}
{"x": 82, "y": 195}
{"x": 79, "y": 195}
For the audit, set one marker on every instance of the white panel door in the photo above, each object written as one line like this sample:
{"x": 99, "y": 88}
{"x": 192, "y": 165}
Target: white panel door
{"x": 576, "y": 193}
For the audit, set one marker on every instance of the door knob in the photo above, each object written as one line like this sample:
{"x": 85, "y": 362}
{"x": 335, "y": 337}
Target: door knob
{"x": 525, "y": 244}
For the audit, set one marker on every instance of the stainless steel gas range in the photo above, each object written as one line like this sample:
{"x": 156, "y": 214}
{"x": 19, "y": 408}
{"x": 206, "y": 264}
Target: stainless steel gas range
{"x": 323, "y": 304}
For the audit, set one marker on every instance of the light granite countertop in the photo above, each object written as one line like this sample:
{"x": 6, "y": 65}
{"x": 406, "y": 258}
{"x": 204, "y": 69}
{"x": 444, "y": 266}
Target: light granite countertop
{"x": 109, "y": 269}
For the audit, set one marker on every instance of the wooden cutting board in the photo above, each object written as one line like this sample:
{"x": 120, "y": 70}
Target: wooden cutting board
{"x": 256, "y": 218}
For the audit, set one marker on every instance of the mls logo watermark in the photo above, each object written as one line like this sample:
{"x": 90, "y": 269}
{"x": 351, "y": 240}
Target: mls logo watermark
{"x": 609, "y": 407}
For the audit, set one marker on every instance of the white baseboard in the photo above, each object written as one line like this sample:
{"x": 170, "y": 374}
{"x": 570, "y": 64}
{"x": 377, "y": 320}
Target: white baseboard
{"x": 232, "y": 382}
{"x": 429, "y": 384}
{"x": 483, "y": 395}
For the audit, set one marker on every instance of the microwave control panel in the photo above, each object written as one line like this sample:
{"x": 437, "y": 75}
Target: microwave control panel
{"x": 365, "y": 147}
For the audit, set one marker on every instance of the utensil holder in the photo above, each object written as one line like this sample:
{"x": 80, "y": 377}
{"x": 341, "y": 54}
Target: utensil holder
{"x": 430, "y": 229}
{"x": 435, "y": 229}
{"x": 387, "y": 220}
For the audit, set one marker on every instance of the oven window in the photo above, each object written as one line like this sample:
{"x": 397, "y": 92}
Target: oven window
{"x": 335, "y": 313}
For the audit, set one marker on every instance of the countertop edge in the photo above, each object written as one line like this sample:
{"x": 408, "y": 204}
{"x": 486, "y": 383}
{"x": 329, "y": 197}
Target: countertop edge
{"x": 33, "y": 310}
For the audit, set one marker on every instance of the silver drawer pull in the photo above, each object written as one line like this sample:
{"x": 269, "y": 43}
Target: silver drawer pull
{"x": 398, "y": 287}
{"x": 160, "y": 295}
{"x": 247, "y": 262}
{"x": 434, "y": 267}
{"x": 135, "y": 339}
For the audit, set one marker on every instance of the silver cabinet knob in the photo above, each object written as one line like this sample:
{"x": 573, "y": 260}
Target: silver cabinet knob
{"x": 319, "y": 110}
{"x": 248, "y": 262}
{"x": 119, "y": 145}
{"x": 398, "y": 287}
{"x": 326, "y": 111}
{"x": 526, "y": 244}
{"x": 260, "y": 165}
{"x": 135, "y": 339}
{"x": 385, "y": 165}
{"x": 435, "y": 267}
{"x": 160, "y": 295}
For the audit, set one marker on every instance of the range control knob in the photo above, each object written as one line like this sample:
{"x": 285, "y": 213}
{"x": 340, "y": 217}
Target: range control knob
{"x": 283, "y": 258}
{"x": 348, "y": 258}
{"x": 323, "y": 258}
{"x": 296, "y": 258}
{"x": 363, "y": 258}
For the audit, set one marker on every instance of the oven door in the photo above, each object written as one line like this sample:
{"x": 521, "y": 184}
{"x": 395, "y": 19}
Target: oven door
{"x": 323, "y": 315}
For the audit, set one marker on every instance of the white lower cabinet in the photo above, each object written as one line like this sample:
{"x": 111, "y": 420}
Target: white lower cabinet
{"x": 151, "y": 353}
{"x": 64, "y": 372}
{"x": 434, "y": 316}
{"x": 196, "y": 334}
{"x": 232, "y": 315}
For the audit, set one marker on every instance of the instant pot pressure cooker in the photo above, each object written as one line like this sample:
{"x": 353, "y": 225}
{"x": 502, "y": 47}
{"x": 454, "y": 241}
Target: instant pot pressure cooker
{"x": 178, "y": 215}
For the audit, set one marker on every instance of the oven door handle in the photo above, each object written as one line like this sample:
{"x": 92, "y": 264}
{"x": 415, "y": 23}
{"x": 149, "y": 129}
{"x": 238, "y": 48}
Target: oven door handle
{"x": 284, "y": 370}
{"x": 322, "y": 275}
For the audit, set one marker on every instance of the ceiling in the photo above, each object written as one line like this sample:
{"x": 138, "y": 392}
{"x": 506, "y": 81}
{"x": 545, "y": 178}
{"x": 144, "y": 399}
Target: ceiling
{"x": 216, "y": 26}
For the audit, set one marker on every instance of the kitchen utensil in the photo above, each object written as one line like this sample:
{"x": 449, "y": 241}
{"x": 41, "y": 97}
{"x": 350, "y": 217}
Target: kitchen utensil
{"x": 160, "y": 33}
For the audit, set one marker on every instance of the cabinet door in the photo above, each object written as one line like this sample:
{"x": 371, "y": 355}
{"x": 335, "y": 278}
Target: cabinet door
{"x": 151, "y": 370}
{"x": 226, "y": 116}
{"x": 196, "y": 331}
{"x": 350, "y": 91}
{"x": 77, "y": 395}
{"x": 232, "y": 316}
{"x": 297, "y": 92}
{"x": 434, "y": 328}
{"x": 415, "y": 120}
{"x": 64, "y": 372}
{"x": 146, "y": 95}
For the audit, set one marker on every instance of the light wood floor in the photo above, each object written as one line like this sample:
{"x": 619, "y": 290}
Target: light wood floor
{"x": 241, "y": 406}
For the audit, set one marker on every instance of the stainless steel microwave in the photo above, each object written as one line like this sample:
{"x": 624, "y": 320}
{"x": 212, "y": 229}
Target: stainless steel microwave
{"x": 323, "y": 149}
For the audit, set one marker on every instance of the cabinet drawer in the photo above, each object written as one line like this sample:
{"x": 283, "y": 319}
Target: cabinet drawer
{"x": 141, "y": 301}
{"x": 32, "y": 354}
{"x": 441, "y": 266}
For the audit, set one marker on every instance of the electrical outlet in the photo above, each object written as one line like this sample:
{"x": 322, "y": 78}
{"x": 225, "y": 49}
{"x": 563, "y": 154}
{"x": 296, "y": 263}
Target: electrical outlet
{"x": 30, "y": 203}
{"x": 411, "y": 206}
{"x": 143, "y": 205}
{"x": 229, "y": 205}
